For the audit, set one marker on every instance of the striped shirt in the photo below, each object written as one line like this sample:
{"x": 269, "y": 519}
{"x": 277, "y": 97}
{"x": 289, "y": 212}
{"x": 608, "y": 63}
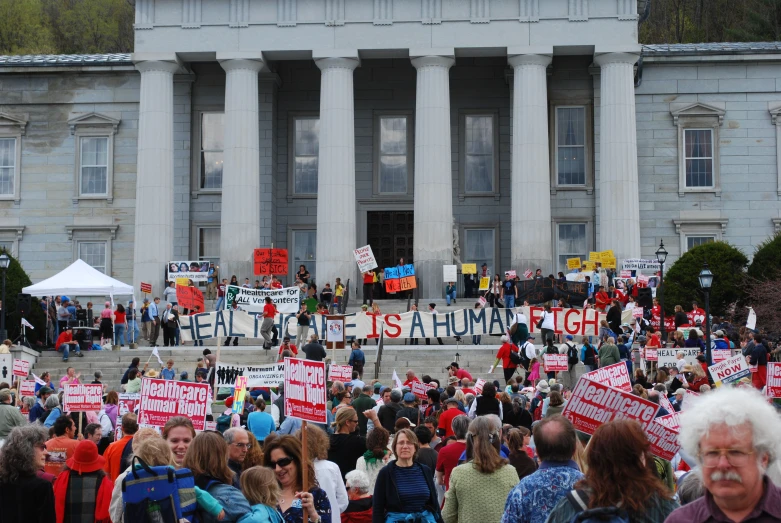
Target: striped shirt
{"x": 413, "y": 488}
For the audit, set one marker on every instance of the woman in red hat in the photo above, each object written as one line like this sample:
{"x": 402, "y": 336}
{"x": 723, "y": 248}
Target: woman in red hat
{"x": 82, "y": 481}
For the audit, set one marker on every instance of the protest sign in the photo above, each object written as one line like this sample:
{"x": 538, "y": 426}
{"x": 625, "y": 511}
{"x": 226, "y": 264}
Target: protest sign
{"x": 269, "y": 261}
{"x": 671, "y": 421}
{"x": 589, "y": 266}
{"x": 468, "y": 268}
{"x": 27, "y": 388}
{"x": 642, "y": 279}
{"x": 635, "y": 264}
{"x": 419, "y": 389}
{"x": 667, "y": 357}
{"x": 334, "y": 330}
{"x": 364, "y": 257}
{"x": 270, "y": 375}
{"x": 651, "y": 354}
{"x": 773, "y": 389}
{"x": 128, "y": 402}
{"x": 479, "y": 386}
{"x": 637, "y": 312}
{"x": 482, "y": 301}
{"x": 484, "y": 282}
{"x": 609, "y": 263}
{"x": 253, "y": 300}
{"x": 593, "y": 404}
{"x": 400, "y": 279}
{"x": 239, "y": 392}
{"x": 616, "y": 375}
{"x": 555, "y": 362}
{"x": 573, "y": 263}
{"x": 510, "y": 274}
{"x": 190, "y": 298}
{"x": 305, "y": 396}
{"x": 82, "y": 397}
{"x": 751, "y": 322}
{"x": 528, "y": 273}
{"x": 595, "y": 257}
{"x": 195, "y": 270}
{"x": 341, "y": 373}
{"x": 164, "y": 399}
{"x": 21, "y": 368}
{"x": 720, "y": 355}
{"x": 626, "y": 274}
{"x": 730, "y": 370}
{"x": 664, "y": 403}
{"x": 146, "y": 288}
{"x": 182, "y": 281}
{"x": 449, "y": 273}
{"x": 663, "y": 440}
{"x": 606, "y": 254}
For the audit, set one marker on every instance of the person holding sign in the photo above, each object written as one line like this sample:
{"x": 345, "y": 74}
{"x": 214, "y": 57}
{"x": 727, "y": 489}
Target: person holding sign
{"x": 758, "y": 360}
{"x": 269, "y": 311}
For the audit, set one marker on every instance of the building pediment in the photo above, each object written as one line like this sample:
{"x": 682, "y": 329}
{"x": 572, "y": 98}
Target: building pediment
{"x": 15, "y": 123}
{"x": 93, "y": 120}
{"x": 696, "y": 110}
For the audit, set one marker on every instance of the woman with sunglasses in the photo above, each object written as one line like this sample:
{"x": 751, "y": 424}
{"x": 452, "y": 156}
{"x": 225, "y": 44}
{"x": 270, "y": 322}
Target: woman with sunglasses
{"x": 283, "y": 455}
{"x": 347, "y": 444}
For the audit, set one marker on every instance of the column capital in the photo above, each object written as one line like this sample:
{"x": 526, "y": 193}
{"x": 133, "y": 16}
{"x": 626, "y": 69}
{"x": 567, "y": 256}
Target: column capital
{"x": 242, "y": 60}
{"x": 515, "y": 60}
{"x": 164, "y": 62}
{"x": 439, "y": 57}
{"x": 336, "y": 58}
{"x": 619, "y": 56}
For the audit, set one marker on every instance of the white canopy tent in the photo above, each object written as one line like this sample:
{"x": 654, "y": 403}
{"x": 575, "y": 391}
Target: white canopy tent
{"x": 80, "y": 279}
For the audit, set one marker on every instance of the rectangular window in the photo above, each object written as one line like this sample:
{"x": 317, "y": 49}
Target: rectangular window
{"x": 94, "y": 165}
{"x": 7, "y": 165}
{"x": 209, "y": 244}
{"x": 696, "y": 241}
{"x": 698, "y": 147}
{"x": 480, "y": 247}
{"x": 94, "y": 253}
{"x": 394, "y": 168}
{"x": 212, "y": 144}
{"x": 571, "y": 145}
{"x": 304, "y": 251}
{"x": 571, "y": 243}
{"x": 479, "y": 153}
{"x": 306, "y": 148}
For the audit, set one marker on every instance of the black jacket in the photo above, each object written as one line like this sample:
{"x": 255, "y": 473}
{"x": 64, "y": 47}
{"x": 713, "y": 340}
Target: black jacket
{"x": 387, "y": 416}
{"x": 386, "y": 494}
{"x": 29, "y": 499}
{"x": 486, "y": 405}
{"x": 345, "y": 450}
{"x": 614, "y": 319}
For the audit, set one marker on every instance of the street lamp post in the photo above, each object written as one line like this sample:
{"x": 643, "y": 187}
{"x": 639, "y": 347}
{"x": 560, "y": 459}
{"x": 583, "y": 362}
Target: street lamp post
{"x": 661, "y": 257}
{"x": 5, "y": 261}
{"x": 706, "y": 281}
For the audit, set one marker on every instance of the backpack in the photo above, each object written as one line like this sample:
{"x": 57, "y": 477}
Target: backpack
{"x": 224, "y": 422}
{"x": 127, "y": 455}
{"x": 158, "y": 494}
{"x": 579, "y": 500}
{"x": 524, "y": 359}
{"x": 515, "y": 357}
{"x": 537, "y": 413}
{"x": 572, "y": 354}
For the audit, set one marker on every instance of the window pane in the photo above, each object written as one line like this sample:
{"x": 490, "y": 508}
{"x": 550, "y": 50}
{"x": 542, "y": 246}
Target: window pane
{"x": 479, "y": 174}
{"x": 94, "y": 165}
{"x": 209, "y": 244}
{"x": 696, "y": 241}
{"x": 7, "y": 152}
{"x": 307, "y": 136}
{"x": 393, "y": 174}
{"x": 304, "y": 248}
{"x": 94, "y": 151}
{"x": 571, "y": 243}
{"x": 93, "y": 180}
{"x": 6, "y": 180}
{"x": 393, "y": 135}
{"x": 94, "y": 253}
{"x": 571, "y": 126}
{"x": 571, "y": 145}
{"x": 698, "y": 146}
{"x": 212, "y": 131}
{"x": 479, "y": 247}
{"x": 698, "y": 143}
{"x": 306, "y": 175}
{"x": 479, "y": 155}
{"x": 306, "y": 149}
{"x": 479, "y": 135}
{"x": 572, "y": 165}
{"x": 211, "y": 170}
{"x": 699, "y": 173}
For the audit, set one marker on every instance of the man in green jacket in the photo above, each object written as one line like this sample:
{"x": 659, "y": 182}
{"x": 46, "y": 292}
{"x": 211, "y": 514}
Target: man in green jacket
{"x": 608, "y": 353}
{"x": 361, "y": 404}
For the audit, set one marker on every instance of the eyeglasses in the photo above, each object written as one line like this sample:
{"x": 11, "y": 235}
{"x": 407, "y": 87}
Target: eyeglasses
{"x": 735, "y": 457}
{"x": 353, "y": 420}
{"x": 284, "y": 462}
{"x": 242, "y": 445}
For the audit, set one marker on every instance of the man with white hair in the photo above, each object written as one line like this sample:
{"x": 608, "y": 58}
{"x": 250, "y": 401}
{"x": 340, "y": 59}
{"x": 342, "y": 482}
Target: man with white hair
{"x": 732, "y": 433}
{"x": 680, "y": 361}
{"x": 360, "y": 506}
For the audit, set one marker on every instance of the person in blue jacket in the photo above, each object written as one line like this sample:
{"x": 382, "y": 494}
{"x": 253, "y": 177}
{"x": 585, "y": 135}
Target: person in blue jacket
{"x": 259, "y": 485}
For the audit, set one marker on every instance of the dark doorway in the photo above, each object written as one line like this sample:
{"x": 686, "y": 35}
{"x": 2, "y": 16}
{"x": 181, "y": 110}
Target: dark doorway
{"x": 390, "y": 235}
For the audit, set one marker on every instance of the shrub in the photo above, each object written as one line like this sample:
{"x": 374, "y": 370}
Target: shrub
{"x": 767, "y": 259}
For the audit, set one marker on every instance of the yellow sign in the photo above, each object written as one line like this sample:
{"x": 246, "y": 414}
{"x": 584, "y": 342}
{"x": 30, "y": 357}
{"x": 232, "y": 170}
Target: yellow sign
{"x": 469, "y": 268}
{"x": 183, "y": 281}
{"x": 595, "y": 256}
{"x": 589, "y": 266}
{"x": 573, "y": 263}
{"x": 484, "y": 283}
{"x": 604, "y": 255}
{"x": 609, "y": 263}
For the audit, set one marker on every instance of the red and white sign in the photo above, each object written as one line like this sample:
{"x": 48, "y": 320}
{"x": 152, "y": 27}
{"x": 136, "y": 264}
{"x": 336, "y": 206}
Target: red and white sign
{"x": 82, "y": 397}
{"x": 671, "y": 421}
{"x": 555, "y": 362}
{"x": 146, "y": 288}
{"x": 625, "y": 274}
{"x": 730, "y": 370}
{"x": 528, "y": 273}
{"x": 128, "y": 402}
{"x": 696, "y": 315}
{"x": 305, "y": 395}
{"x": 593, "y": 404}
{"x": 720, "y": 355}
{"x": 364, "y": 257}
{"x": 21, "y": 368}
{"x": 651, "y": 354}
{"x": 164, "y": 399}
{"x": 380, "y": 402}
{"x": 773, "y": 389}
{"x": 27, "y": 388}
{"x": 615, "y": 375}
{"x": 340, "y": 372}
{"x": 663, "y": 439}
{"x": 664, "y": 402}
{"x": 637, "y": 312}
{"x": 510, "y": 274}
{"x": 479, "y": 386}
{"x": 419, "y": 389}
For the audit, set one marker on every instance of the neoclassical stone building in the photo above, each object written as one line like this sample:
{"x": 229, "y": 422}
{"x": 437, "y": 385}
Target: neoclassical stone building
{"x": 527, "y": 131}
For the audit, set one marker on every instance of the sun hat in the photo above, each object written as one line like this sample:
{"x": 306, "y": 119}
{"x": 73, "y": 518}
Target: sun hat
{"x": 543, "y": 387}
{"x": 410, "y": 422}
{"x": 85, "y": 458}
{"x": 151, "y": 373}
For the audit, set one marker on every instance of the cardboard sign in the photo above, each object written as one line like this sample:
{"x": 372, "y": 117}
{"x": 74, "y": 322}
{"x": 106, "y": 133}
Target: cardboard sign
{"x": 449, "y": 273}
{"x": 635, "y": 264}
{"x": 651, "y": 354}
{"x": 668, "y": 357}
{"x": 482, "y": 301}
{"x": 182, "y": 281}
{"x": 609, "y": 263}
{"x": 730, "y": 370}
{"x": 671, "y": 421}
{"x": 195, "y": 270}
{"x": 364, "y": 257}
{"x": 720, "y": 355}
{"x": 664, "y": 402}
{"x": 400, "y": 279}
{"x": 555, "y": 362}
{"x": 510, "y": 274}
{"x": 419, "y": 389}
{"x": 305, "y": 390}
{"x": 21, "y": 368}
{"x": 484, "y": 282}
{"x": 334, "y": 330}
{"x": 239, "y": 392}
{"x": 146, "y": 288}
{"x": 616, "y": 375}
{"x": 593, "y": 404}
{"x": 626, "y": 274}
{"x": 589, "y": 266}
{"x": 773, "y": 389}
{"x": 27, "y": 388}
{"x": 269, "y": 261}
{"x": 573, "y": 263}
{"x": 82, "y": 397}
{"x": 479, "y": 386}
{"x": 637, "y": 312}
{"x": 252, "y": 300}
{"x": 528, "y": 273}
{"x": 663, "y": 439}
{"x": 468, "y": 268}
{"x": 595, "y": 257}
{"x": 190, "y": 298}
{"x": 341, "y": 373}
{"x": 164, "y": 399}
{"x": 270, "y": 375}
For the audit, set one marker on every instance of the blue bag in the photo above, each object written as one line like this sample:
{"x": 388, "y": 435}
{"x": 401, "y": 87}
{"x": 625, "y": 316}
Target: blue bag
{"x": 158, "y": 494}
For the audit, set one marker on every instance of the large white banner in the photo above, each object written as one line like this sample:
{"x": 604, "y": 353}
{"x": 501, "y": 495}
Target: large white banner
{"x": 257, "y": 375}
{"x": 636, "y": 264}
{"x": 463, "y": 322}
{"x": 253, "y": 300}
{"x": 195, "y": 270}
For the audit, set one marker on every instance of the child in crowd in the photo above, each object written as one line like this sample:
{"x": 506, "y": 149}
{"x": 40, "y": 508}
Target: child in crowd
{"x": 169, "y": 372}
{"x": 338, "y": 291}
{"x": 259, "y": 485}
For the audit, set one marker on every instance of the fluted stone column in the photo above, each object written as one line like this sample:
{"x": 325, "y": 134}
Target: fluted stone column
{"x": 154, "y": 238}
{"x": 532, "y": 245}
{"x": 619, "y": 225}
{"x": 336, "y": 169}
{"x": 240, "y": 215}
{"x": 433, "y": 240}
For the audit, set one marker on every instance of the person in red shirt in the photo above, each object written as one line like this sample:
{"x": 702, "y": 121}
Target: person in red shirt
{"x": 449, "y": 455}
{"x": 286, "y": 345}
{"x": 368, "y": 287}
{"x": 411, "y": 378}
{"x": 269, "y": 311}
{"x": 64, "y": 343}
{"x": 602, "y": 299}
{"x": 275, "y": 283}
{"x": 454, "y": 370}
{"x": 446, "y": 418}
{"x": 653, "y": 338}
{"x": 504, "y": 354}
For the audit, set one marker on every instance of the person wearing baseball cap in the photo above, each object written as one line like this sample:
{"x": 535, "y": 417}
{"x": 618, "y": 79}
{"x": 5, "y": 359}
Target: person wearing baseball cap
{"x": 409, "y": 409}
{"x": 88, "y": 498}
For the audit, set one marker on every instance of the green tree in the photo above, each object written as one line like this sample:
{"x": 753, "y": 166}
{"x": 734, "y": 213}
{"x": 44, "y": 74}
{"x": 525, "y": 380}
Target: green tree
{"x": 767, "y": 259}
{"x": 15, "y": 280}
{"x": 23, "y": 29}
{"x": 92, "y": 26}
{"x": 728, "y": 264}
{"x": 763, "y": 22}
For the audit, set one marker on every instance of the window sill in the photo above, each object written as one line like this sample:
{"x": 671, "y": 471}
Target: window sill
{"x": 565, "y": 188}
{"x": 202, "y": 192}
{"x": 109, "y": 199}
{"x": 495, "y": 195}
{"x": 9, "y": 198}
{"x": 291, "y": 197}
{"x": 683, "y": 191}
